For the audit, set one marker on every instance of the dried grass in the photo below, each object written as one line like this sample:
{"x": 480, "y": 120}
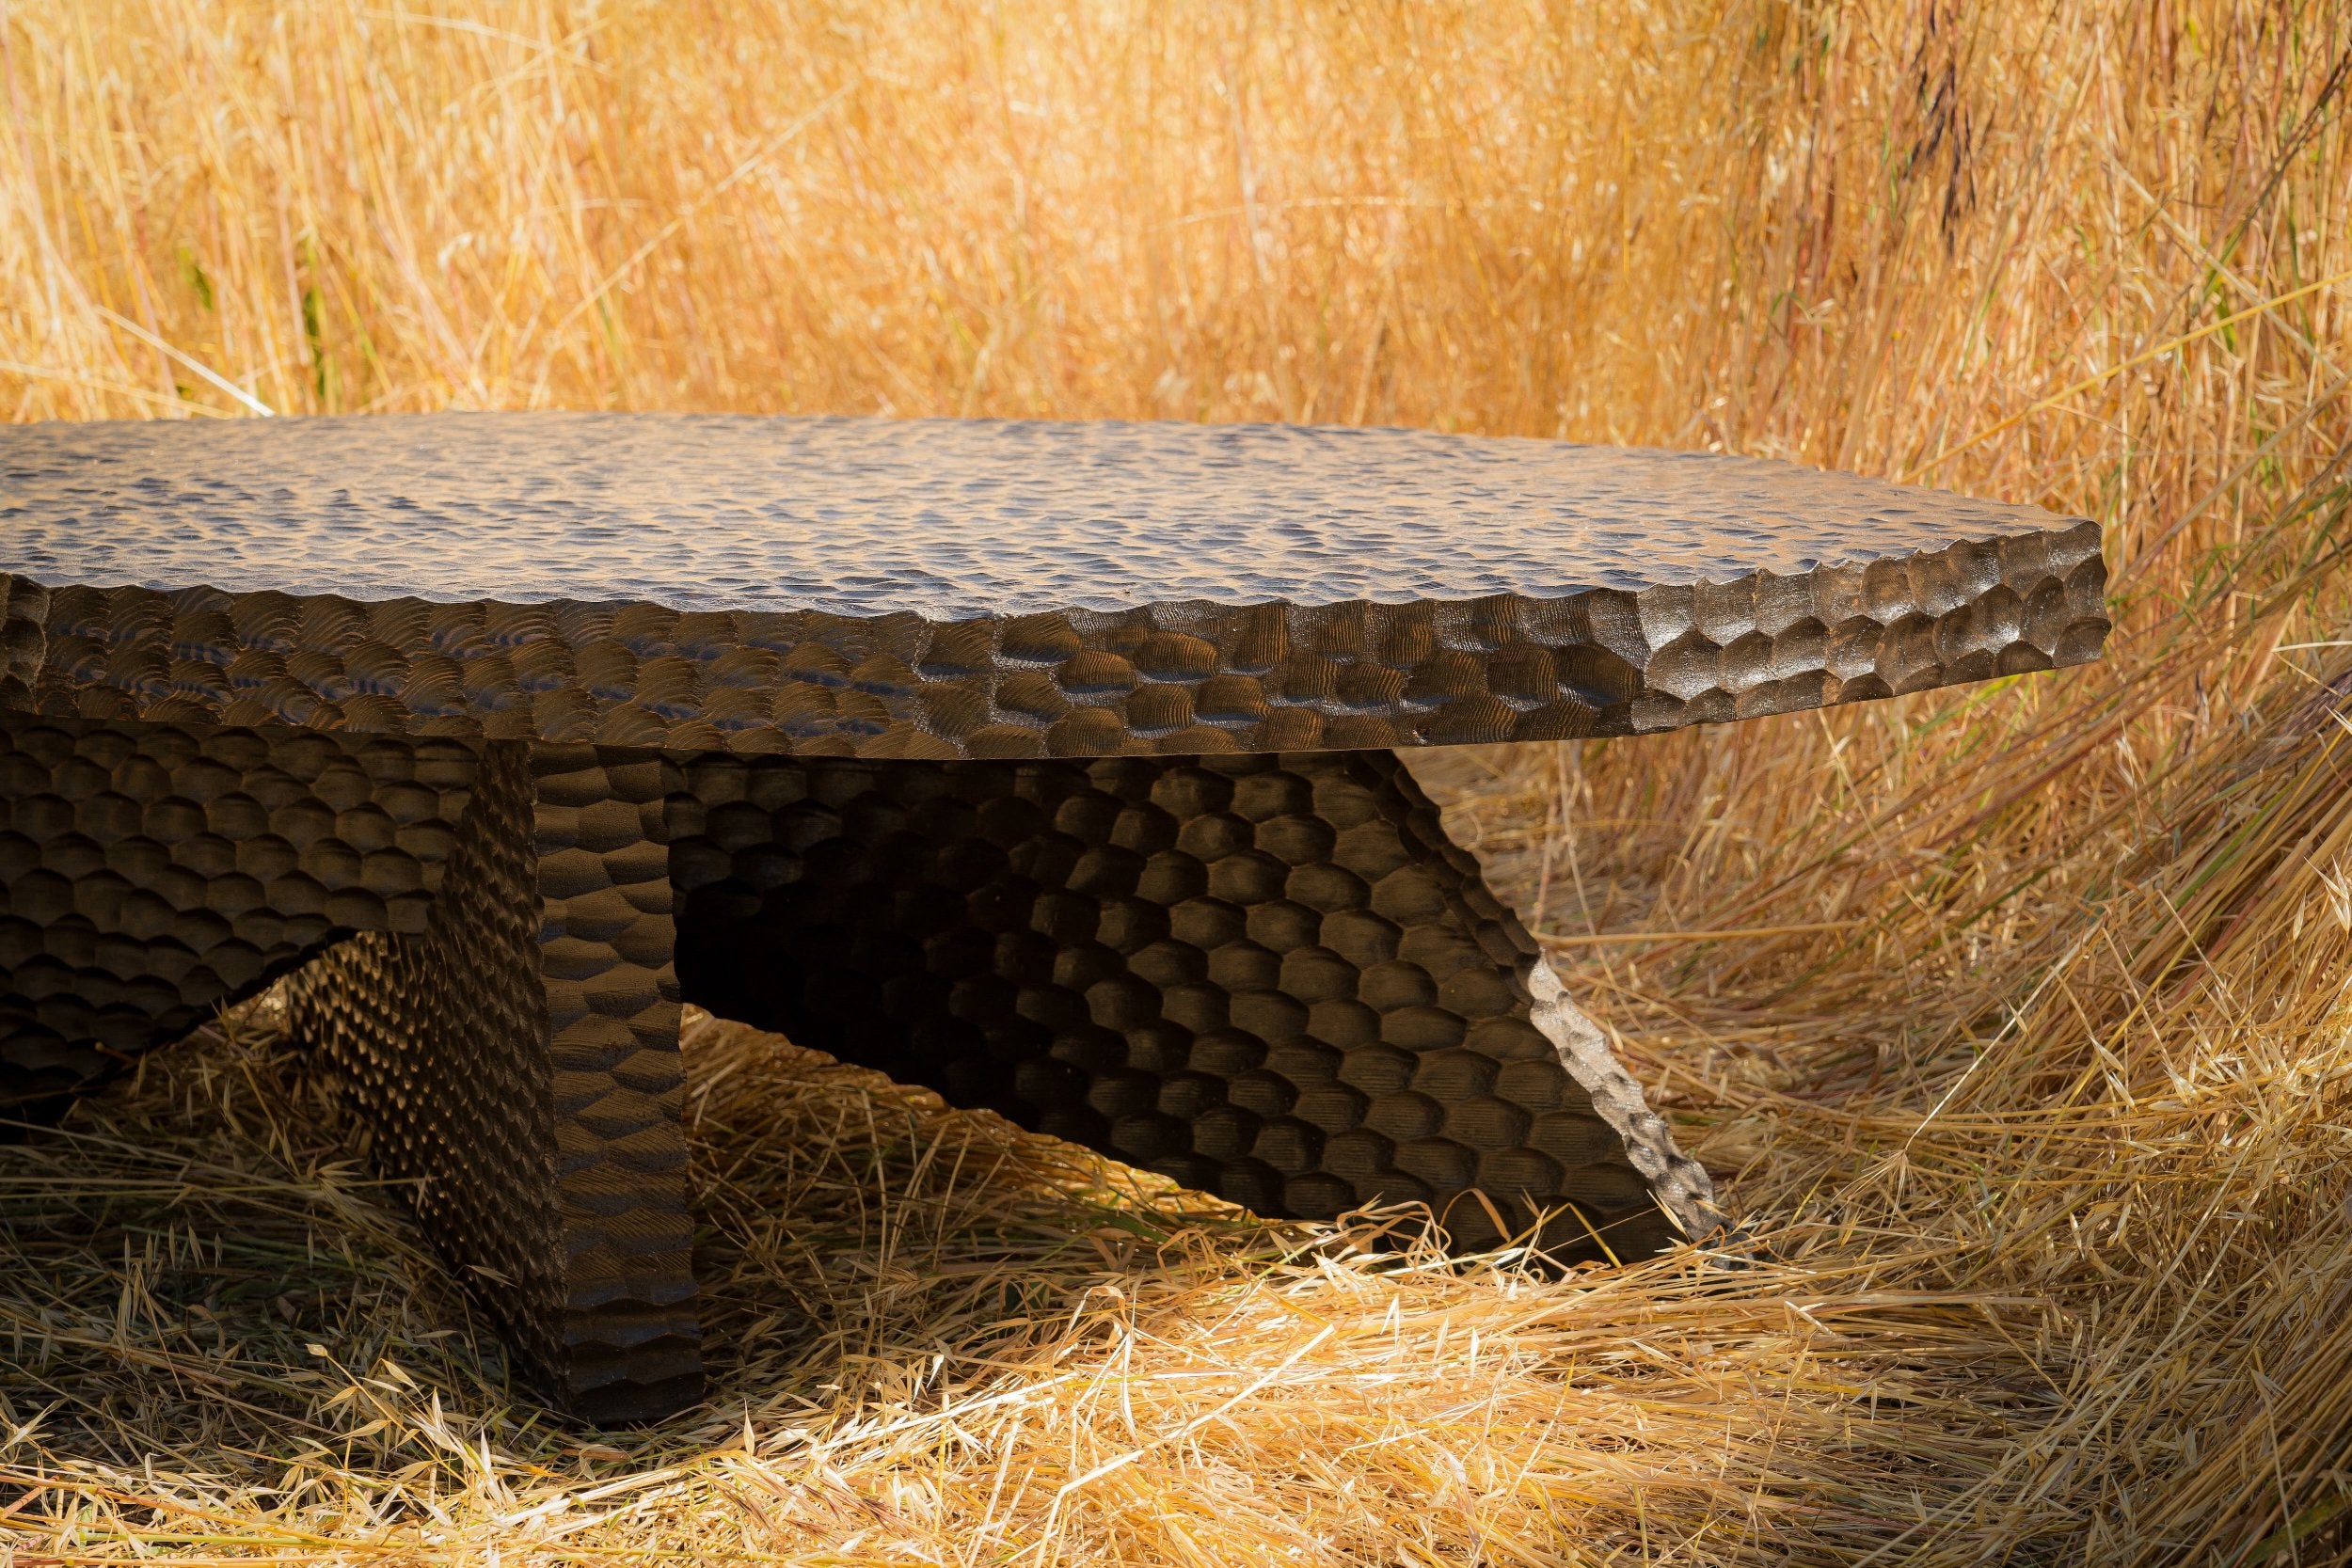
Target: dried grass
{"x": 2034, "y": 1063}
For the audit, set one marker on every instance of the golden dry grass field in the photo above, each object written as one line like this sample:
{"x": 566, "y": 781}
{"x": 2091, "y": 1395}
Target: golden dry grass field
{"x": 2044, "y": 1116}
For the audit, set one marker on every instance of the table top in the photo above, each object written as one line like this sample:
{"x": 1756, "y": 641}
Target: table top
{"x": 945, "y": 588}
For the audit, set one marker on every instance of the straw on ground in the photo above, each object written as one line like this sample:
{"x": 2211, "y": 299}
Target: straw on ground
{"x": 2020, "y": 1031}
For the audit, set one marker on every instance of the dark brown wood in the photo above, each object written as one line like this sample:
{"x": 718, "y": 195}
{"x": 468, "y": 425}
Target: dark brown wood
{"x": 942, "y": 588}
{"x": 519, "y": 728}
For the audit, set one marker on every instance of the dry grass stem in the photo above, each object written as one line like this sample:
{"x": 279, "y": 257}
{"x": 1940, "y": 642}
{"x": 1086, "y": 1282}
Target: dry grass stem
{"x": 2014, "y": 1019}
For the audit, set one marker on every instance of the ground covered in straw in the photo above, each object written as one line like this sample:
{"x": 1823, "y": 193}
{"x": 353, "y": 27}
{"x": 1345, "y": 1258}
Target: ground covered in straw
{"x": 951, "y": 1342}
{"x": 2014, "y": 1020}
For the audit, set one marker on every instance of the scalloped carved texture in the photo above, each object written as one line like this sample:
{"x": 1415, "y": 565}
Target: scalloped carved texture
{"x": 150, "y": 873}
{"x": 506, "y": 1015}
{"x": 23, "y": 613}
{"x": 519, "y": 1060}
{"x": 981, "y": 589}
{"x": 1273, "y": 979}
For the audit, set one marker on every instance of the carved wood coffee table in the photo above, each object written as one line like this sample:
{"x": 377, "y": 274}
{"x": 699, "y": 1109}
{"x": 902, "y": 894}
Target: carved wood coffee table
{"x": 1051, "y": 766}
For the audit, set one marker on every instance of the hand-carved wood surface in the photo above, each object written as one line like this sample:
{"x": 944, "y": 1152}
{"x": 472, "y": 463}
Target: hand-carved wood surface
{"x": 976, "y": 588}
{"x": 545, "y": 642}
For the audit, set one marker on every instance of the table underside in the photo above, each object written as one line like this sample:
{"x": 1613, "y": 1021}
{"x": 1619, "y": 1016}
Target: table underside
{"x": 1269, "y": 975}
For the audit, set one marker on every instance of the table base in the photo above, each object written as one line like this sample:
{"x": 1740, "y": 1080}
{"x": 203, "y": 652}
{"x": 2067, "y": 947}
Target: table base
{"x": 1269, "y": 976}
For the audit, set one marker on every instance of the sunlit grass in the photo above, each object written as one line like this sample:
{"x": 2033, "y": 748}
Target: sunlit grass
{"x": 2041, "y": 1093}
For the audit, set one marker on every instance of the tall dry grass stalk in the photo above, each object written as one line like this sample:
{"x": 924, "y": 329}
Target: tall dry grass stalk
{"x": 2042, "y": 1093}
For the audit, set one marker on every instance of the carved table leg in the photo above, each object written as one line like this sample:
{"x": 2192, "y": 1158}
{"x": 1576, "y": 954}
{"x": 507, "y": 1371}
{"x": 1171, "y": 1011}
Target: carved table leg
{"x": 1272, "y": 978}
{"x": 152, "y": 873}
{"x": 519, "y": 1060}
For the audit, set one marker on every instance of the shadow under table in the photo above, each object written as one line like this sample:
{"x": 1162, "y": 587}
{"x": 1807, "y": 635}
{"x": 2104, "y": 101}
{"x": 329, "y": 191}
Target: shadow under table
{"x": 1052, "y": 767}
